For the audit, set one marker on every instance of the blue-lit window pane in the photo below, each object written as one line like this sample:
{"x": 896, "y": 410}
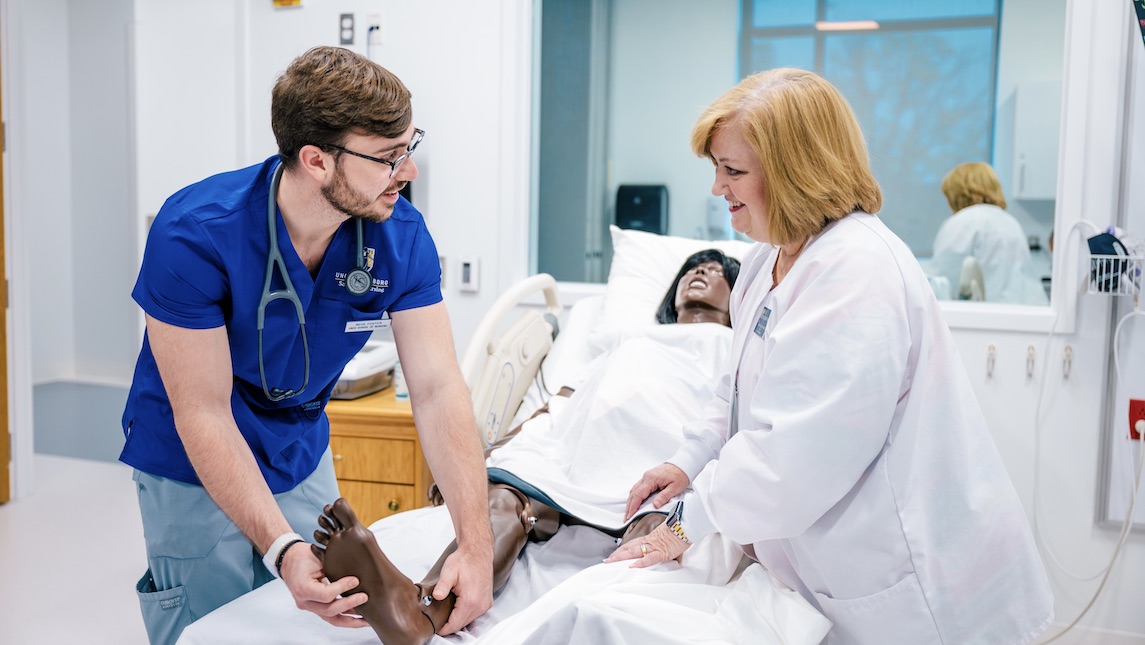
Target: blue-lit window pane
{"x": 924, "y": 100}
{"x": 783, "y": 13}
{"x": 767, "y": 53}
{"x": 843, "y": 10}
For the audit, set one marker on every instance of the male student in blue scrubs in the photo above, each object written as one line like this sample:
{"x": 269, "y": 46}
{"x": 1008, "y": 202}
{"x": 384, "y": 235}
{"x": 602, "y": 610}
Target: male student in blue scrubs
{"x": 225, "y": 423}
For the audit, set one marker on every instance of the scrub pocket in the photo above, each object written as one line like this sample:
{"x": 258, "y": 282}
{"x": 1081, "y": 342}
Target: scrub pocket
{"x": 197, "y": 559}
{"x": 165, "y": 613}
{"x": 898, "y": 614}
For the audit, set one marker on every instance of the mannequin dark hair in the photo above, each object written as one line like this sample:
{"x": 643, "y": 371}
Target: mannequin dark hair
{"x": 666, "y": 314}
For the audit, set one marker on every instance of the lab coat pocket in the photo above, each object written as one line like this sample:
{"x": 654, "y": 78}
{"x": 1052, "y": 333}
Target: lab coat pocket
{"x": 898, "y": 614}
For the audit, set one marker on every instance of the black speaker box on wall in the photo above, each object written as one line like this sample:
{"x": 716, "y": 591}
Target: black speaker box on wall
{"x": 642, "y": 207}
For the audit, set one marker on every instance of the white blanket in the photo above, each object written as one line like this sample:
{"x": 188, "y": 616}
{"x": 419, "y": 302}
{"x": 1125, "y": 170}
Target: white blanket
{"x": 559, "y": 592}
{"x": 624, "y": 418}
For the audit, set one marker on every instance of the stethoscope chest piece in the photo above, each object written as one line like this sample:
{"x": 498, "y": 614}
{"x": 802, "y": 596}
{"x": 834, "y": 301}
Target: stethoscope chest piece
{"x": 358, "y": 281}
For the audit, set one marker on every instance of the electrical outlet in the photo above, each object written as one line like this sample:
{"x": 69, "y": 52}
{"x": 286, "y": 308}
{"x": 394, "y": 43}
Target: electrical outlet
{"x": 1136, "y": 418}
{"x": 346, "y": 29}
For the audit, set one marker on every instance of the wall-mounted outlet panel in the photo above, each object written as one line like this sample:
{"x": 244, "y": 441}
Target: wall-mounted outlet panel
{"x": 1136, "y": 418}
{"x": 346, "y": 29}
{"x": 469, "y": 274}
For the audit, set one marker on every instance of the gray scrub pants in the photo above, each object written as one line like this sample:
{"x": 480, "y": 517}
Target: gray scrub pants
{"x": 197, "y": 558}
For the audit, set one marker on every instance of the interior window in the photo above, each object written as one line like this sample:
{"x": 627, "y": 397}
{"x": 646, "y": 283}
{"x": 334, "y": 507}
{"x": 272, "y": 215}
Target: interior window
{"x": 934, "y": 84}
{"x": 919, "y": 75}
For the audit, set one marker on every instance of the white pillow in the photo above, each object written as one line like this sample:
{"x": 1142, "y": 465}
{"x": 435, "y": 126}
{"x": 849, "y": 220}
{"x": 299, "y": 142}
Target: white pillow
{"x": 643, "y": 267}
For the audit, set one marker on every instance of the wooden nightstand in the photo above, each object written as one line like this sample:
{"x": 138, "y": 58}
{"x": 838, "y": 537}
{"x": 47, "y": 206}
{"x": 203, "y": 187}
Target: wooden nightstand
{"x": 377, "y": 455}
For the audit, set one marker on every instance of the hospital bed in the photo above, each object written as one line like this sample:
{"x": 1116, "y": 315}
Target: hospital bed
{"x": 560, "y": 591}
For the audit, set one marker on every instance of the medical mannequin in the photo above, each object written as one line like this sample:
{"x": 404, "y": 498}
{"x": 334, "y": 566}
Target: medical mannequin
{"x": 844, "y": 447}
{"x": 259, "y": 285}
{"x": 979, "y": 227}
{"x": 396, "y": 608}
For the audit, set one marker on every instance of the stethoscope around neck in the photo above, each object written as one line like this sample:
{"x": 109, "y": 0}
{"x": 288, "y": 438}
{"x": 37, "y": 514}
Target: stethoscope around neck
{"x": 358, "y": 282}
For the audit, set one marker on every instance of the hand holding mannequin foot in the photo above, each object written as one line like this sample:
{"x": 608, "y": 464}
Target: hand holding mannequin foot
{"x": 303, "y": 574}
{"x": 393, "y": 607}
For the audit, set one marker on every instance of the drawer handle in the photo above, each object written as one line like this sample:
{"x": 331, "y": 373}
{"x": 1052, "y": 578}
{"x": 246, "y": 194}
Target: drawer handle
{"x": 394, "y": 506}
{"x": 337, "y": 457}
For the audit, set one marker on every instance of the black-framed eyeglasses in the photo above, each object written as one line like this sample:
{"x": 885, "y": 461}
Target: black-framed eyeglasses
{"x": 418, "y": 135}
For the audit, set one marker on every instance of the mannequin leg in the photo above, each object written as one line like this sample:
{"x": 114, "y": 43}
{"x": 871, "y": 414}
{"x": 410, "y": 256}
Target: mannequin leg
{"x": 396, "y": 608}
{"x": 393, "y": 610}
{"x": 516, "y": 520}
{"x": 642, "y": 527}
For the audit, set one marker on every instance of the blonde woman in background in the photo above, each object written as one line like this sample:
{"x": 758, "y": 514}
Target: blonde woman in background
{"x": 980, "y": 228}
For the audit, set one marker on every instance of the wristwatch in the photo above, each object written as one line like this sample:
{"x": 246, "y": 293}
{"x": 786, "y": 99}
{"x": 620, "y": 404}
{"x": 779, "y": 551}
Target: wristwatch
{"x": 675, "y": 522}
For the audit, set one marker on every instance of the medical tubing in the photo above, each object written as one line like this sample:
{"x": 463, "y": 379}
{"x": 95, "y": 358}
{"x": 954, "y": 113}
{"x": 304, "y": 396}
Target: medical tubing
{"x": 1116, "y": 551}
{"x": 1108, "y": 569}
{"x": 1047, "y": 549}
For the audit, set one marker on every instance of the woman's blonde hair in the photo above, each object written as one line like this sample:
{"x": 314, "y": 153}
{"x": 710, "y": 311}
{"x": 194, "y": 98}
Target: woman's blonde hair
{"x": 972, "y": 183}
{"x": 810, "y": 147}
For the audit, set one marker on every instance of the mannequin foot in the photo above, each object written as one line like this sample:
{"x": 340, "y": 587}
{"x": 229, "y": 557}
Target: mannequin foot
{"x": 393, "y": 608}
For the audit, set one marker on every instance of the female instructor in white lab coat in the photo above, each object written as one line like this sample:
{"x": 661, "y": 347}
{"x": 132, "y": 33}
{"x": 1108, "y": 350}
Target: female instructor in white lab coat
{"x": 844, "y": 448}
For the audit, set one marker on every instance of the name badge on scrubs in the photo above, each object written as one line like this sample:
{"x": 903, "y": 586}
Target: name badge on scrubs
{"x": 369, "y": 325}
{"x": 761, "y": 324}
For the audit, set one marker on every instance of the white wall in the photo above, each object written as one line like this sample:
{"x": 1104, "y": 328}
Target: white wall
{"x": 198, "y": 87}
{"x": 101, "y": 200}
{"x": 40, "y": 172}
{"x": 1031, "y": 50}
{"x": 652, "y": 107}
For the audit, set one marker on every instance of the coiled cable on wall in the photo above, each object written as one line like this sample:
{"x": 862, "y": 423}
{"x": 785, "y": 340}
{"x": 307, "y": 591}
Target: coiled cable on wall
{"x": 1107, "y": 570}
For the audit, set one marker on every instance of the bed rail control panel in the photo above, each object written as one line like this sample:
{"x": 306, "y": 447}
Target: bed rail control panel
{"x": 499, "y": 365}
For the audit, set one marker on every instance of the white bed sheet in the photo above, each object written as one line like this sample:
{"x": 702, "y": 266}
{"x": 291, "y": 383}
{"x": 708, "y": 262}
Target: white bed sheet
{"x": 560, "y": 591}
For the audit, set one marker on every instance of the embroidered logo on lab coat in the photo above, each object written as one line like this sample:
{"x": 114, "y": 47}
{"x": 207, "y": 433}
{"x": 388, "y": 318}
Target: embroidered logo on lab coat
{"x": 761, "y": 324}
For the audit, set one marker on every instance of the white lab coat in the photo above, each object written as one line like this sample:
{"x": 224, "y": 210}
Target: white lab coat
{"x": 998, "y": 242}
{"x": 859, "y": 465}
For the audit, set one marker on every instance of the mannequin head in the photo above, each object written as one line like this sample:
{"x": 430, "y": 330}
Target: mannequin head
{"x": 701, "y": 291}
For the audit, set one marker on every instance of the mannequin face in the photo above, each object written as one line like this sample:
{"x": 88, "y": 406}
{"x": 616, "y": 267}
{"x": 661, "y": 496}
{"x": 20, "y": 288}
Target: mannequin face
{"x": 703, "y": 295}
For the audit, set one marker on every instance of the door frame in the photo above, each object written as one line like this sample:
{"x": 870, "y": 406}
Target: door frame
{"x": 16, "y": 347}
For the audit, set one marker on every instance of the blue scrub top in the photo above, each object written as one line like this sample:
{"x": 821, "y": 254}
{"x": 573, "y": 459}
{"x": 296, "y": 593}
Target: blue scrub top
{"x": 204, "y": 267}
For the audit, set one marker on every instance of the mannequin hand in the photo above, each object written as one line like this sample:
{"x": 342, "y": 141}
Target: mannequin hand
{"x": 666, "y": 480}
{"x": 661, "y": 545}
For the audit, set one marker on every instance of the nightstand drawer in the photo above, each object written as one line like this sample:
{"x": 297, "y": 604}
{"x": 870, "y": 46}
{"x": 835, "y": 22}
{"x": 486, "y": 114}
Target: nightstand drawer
{"x": 371, "y": 502}
{"x": 373, "y": 460}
